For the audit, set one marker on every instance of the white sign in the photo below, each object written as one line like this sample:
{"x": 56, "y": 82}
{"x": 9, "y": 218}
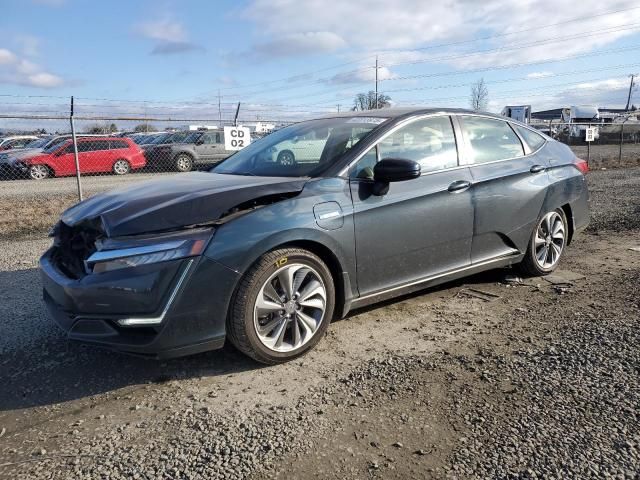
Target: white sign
{"x": 236, "y": 138}
{"x": 589, "y": 134}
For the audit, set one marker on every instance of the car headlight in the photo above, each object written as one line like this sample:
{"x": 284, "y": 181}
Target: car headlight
{"x": 115, "y": 254}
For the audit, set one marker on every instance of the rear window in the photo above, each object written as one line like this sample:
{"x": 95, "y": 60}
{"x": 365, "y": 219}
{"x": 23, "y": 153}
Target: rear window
{"x": 531, "y": 138}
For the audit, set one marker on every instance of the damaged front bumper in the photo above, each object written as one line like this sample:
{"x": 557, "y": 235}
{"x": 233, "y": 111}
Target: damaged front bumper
{"x": 168, "y": 308}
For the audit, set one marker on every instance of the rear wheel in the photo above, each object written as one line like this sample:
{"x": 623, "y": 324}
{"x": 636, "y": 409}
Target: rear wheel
{"x": 39, "y": 172}
{"x": 283, "y": 306}
{"x": 121, "y": 167}
{"x": 546, "y": 245}
{"x": 183, "y": 163}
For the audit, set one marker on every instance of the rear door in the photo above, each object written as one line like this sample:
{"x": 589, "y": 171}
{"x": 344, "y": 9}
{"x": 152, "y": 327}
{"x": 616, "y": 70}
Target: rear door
{"x": 94, "y": 156}
{"x": 509, "y": 186}
{"x": 421, "y": 227}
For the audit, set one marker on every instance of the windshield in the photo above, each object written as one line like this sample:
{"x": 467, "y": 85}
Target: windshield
{"x": 157, "y": 139}
{"x": 302, "y": 150}
{"x": 54, "y": 144}
{"x": 38, "y": 143}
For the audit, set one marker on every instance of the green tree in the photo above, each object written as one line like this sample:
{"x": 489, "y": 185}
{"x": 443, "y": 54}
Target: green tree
{"x": 145, "y": 127}
{"x": 367, "y": 101}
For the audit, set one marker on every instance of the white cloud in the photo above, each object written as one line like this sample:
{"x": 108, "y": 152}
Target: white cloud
{"x": 363, "y": 75}
{"x": 539, "y": 74}
{"x": 19, "y": 71}
{"x": 29, "y": 45}
{"x": 300, "y": 43}
{"x": 163, "y": 29}
{"x": 171, "y": 36}
{"x": 403, "y": 25}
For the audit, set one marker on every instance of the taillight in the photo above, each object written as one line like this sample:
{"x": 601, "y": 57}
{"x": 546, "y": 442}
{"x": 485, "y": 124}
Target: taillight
{"x": 582, "y": 165}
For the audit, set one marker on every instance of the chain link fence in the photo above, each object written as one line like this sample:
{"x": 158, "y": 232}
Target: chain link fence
{"x": 613, "y": 145}
{"x": 49, "y": 162}
{"x": 44, "y": 171}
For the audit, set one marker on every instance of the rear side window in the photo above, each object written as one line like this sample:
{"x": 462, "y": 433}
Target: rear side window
{"x": 531, "y": 138}
{"x": 116, "y": 144}
{"x": 490, "y": 139}
{"x": 429, "y": 141}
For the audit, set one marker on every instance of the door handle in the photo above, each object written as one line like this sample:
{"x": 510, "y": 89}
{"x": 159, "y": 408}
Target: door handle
{"x": 459, "y": 186}
{"x": 537, "y": 169}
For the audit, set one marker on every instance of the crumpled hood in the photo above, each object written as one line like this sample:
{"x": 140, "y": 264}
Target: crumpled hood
{"x": 177, "y": 201}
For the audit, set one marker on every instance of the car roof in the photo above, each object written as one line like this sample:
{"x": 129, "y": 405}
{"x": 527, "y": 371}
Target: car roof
{"x": 396, "y": 112}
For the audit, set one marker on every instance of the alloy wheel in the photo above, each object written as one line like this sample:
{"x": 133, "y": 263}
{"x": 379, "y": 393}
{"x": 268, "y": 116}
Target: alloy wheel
{"x": 121, "y": 167}
{"x": 550, "y": 240}
{"x": 183, "y": 163}
{"x": 289, "y": 308}
{"x": 38, "y": 172}
{"x": 286, "y": 158}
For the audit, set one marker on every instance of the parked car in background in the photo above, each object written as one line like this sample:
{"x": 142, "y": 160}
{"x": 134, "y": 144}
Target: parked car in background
{"x": 15, "y": 142}
{"x": 9, "y": 160}
{"x": 184, "y": 151}
{"x": 118, "y": 155}
{"x": 266, "y": 254}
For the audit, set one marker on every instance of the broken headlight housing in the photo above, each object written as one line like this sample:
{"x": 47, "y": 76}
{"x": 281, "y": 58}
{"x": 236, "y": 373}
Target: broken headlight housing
{"x": 115, "y": 254}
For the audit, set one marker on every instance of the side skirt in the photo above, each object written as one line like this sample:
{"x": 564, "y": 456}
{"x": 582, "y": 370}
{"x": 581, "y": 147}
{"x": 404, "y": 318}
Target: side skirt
{"x": 427, "y": 282}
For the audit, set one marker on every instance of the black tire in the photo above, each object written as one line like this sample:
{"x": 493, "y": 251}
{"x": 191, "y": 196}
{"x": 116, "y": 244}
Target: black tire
{"x": 241, "y": 330}
{"x": 39, "y": 172}
{"x": 530, "y": 266}
{"x": 286, "y": 157}
{"x": 183, "y": 162}
{"x": 121, "y": 167}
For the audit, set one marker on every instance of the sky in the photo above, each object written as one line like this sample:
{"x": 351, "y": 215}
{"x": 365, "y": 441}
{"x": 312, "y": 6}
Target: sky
{"x": 286, "y": 59}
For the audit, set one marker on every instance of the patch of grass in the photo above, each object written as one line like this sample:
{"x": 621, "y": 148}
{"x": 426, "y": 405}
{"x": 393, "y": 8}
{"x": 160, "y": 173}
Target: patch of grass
{"x": 31, "y": 215}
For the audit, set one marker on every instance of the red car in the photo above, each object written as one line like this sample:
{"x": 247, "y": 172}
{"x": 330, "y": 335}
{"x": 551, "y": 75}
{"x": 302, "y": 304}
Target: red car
{"x": 95, "y": 155}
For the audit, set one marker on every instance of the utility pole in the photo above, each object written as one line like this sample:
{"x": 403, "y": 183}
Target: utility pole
{"x": 633, "y": 76}
{"x": 338, "y": 108}
{"x": 219, "y": 111}
{"x": 376, "y": 82}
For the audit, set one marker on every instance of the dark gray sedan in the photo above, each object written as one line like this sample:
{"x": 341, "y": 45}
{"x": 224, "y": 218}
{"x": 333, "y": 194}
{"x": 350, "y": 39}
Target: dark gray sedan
{"x": 266, "y": 253}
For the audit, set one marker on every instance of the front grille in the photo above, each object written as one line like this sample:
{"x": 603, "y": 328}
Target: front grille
{"x": 72, "y": 246}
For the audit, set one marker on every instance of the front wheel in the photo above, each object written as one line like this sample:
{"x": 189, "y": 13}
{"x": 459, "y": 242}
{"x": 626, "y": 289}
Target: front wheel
{"x": 283, "y": 306}
{"x": 546, "y": 245}
{"x": 39, "y": 172}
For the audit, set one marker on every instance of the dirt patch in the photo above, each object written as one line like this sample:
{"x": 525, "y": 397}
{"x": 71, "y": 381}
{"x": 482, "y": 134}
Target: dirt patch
{"x": 31, "y": 215}
{"x": 532, "y": 379}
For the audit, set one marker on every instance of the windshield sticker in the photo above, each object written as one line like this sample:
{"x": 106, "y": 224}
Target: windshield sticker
{"x": 372, "y": 120}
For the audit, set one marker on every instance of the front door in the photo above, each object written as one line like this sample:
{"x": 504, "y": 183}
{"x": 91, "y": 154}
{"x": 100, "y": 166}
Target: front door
{"x": 421, "y": 227}
{"x": 206, "y": 147}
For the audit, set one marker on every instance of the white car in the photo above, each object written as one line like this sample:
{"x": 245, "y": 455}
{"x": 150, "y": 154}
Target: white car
{"x": 16, "y": 141}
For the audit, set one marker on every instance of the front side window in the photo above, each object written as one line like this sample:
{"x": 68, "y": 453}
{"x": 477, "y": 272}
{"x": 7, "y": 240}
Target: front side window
{"x": 490, "y": 139}
{"x": 208, "y": 138}
{"x": 300, "y": 150}
{"x": 429, "y": 141}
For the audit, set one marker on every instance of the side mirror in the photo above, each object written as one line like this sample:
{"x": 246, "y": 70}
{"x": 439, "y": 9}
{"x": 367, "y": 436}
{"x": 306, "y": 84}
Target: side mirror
{"x": 393, "y": 170}
{"x": 200, "y": 142}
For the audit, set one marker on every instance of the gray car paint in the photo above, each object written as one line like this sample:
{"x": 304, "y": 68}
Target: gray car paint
{"x": 418, "y": 234}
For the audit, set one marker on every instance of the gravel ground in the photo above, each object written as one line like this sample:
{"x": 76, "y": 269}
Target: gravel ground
{"x": 542, "y": 382}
